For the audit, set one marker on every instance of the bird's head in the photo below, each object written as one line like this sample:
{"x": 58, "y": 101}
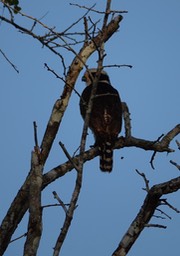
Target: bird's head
{"x": 90, "y": 75}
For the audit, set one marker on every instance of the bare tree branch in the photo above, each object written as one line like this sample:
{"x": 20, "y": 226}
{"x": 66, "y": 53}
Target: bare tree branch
{"x": 20, "y": 204}
{"x": 77, "y": 188}
{"x": 162, "y": 213}
{"x": 145, "y": 214}
{"x": 68, "y": 156}
{"x": 16, "y": 212}
{"x": 93, "y": 10}
{"x": 127, "y": 120}
{"x": 118, "y": 66}
{"x": 165, "y": 202}
{"x": 35, "y": 218}
{"x": 15, "y": 68}
{"x": 155, "y": 226}
{"x": 88, "y": 155}
{"x": 59, "y": 77}
{"x": 76, "y": 66}
{"x": 19, "y": 237}
{"x": 178, "y": 144}
{"x": 60, "y": 201}
{"x": 175, "y": 164}
{"x": 145, "y": 180}
{"x": 159, "y": 146}
{"x": 29, "y": 195}
{"x": 35, "y": 135}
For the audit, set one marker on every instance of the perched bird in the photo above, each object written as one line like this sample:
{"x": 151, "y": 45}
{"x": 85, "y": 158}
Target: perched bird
{"x": 106, "y": 115}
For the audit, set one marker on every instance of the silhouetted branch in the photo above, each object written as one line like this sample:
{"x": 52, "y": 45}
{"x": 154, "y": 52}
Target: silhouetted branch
{"x": 178, "y": 144}
{"x": 145, "y": 180}
{"x": 175, "y": 164}
{"x": 60, "y": 201}
{"x": 60, "y": 77}
{"x": 154, "y": 154}
{"x": 15, "y": 68}
{"x": 122, "y": 142}
{"x": 35, "y": 135}
{"x": 145, "y": 214}
{"x": 165, "y": 202}
{"x": 155, "y": 226}
{"x": 162, "y": 213}
{"x": 159, "y": 146}
{"x": 77, "y": 188}
{"x": 68, "y": 155}
{"x": 19, "y": 237}
{"x": 29, "y": 195}
{"x": 16, "y": 212}
{"x": 20, "y": 203}
{"x": 93, "y": 10}
{"x": 118, "y": 66}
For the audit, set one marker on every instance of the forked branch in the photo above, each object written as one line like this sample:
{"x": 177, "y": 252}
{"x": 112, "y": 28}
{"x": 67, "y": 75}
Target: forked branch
{"x": 146, "y": 212}
{"x": 20, "y": 204}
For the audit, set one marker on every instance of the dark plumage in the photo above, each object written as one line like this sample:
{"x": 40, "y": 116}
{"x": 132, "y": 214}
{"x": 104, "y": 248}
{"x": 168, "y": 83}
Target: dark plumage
{"x": 106, "y": 115}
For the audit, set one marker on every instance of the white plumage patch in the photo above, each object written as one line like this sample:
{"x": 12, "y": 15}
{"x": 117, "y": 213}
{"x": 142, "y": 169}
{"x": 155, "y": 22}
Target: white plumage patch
{"x": 106, "y": 156}
{"x": 107, "y": 117}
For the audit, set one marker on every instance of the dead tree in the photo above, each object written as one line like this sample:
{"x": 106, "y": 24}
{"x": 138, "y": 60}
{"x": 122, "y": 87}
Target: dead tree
{"x": 93, "y": 38}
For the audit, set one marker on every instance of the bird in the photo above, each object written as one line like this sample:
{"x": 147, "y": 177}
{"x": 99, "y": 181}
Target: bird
{"x": 106, "y": 114}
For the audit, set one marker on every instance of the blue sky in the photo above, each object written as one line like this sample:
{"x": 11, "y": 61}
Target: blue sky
{"x": 148, "y": 39}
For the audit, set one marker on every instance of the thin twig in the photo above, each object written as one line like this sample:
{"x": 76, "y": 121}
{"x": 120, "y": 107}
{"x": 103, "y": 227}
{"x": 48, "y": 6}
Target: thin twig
{"x": 53, "y": 205}
{"x": 61, "y": 78}
{"x": 175, "y": 164}
{"x": 145, "y": 180}
{"x": 76, "y": 22}
{"x": 39, "y": 38}
{"x": 118, "y": 66}
{"x": 178, "y": 144}
{"x": 163, "y": 213}
{"x": 170, "y": 206}
{"x": 35, "y": 134}
{"x": 68, "y": 155}
{"x": 154, "y": 154}
{"x": 93, "y": 27}
{"x": 155, "y": 226}
{"x": 159, "y": 217}
{"x": 13, "y": 66}
{"x": 152, "y": 159}
{"x": 60, "y": 201}
{"x": 19, "y": 237}
{"x": 93, "y": 10}
{"x": 75, "y": 152}
{"x": 86, "y": 30}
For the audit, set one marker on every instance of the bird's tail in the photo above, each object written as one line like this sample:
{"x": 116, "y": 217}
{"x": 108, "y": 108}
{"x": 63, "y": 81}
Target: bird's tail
{"x": 106, "y": 157}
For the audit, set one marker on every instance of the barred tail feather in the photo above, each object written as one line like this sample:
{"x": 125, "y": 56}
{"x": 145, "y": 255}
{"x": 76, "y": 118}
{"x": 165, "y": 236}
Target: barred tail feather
{"x": 106, "y": 157}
